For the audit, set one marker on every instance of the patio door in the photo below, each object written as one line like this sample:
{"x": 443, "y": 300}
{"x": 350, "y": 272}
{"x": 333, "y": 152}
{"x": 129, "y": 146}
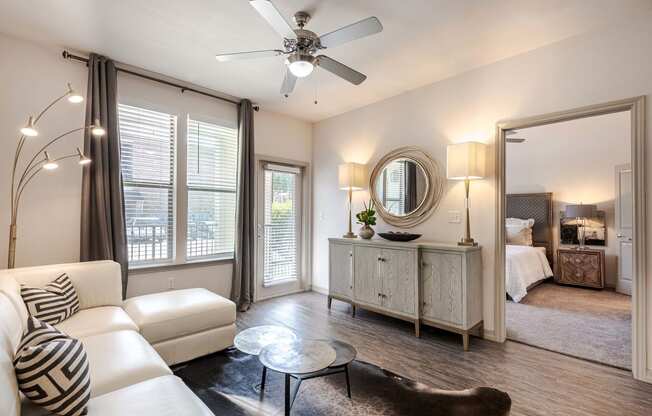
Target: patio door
{"x": 279, "y": 230}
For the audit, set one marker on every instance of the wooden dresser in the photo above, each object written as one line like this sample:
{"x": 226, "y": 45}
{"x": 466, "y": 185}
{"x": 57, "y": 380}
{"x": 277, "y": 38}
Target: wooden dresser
{"x": 436, "y": 284}
{"x": 580, "y": 267}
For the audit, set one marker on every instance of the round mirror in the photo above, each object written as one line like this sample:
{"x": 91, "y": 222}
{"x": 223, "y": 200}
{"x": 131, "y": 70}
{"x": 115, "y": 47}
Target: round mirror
{"x": 401, "y": 186}
{"x": 406, "y": 186}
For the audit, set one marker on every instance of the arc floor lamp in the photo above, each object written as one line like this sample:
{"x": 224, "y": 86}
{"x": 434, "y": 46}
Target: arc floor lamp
{"x": 22, "y": 173}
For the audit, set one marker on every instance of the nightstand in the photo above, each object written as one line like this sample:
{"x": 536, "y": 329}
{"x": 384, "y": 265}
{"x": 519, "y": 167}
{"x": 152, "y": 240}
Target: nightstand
{"x": 580, "y": 267}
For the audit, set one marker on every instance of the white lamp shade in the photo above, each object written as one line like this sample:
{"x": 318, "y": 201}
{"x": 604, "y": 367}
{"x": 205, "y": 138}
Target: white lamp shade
{"x": 352, "y": 176}
{"x": 465, "y": 161}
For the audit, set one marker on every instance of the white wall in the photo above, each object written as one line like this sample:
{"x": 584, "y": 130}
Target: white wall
{"x": 30, "y": 76}
{"x": 576, "y": 161}
{"x": 613, "y": 64}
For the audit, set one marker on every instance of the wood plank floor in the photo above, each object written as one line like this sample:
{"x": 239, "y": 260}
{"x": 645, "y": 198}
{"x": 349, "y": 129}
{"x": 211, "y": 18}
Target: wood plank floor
{"x": 539, "y": 382}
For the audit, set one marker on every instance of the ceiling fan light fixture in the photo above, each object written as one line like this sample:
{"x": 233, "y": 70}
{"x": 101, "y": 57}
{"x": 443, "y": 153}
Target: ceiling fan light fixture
{"x": 301, "y": 65}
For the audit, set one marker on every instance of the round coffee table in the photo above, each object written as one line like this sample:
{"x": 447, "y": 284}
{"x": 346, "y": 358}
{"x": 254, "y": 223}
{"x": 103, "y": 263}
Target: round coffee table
{"x": 299, "y": 362}
{"x": 297, "y": 359}
{"x": 252, "y": 340}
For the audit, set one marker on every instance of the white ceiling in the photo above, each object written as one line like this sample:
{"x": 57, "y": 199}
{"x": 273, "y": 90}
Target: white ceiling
{"x": 423, "y": 41}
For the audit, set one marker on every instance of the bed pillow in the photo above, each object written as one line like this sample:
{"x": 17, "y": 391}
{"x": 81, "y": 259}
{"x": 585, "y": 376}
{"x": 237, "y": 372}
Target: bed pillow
{"x": 52, "y": 370}
{"x": 519, "y": 221}
{"x": 518, "y": 235}
{"x": 53, "y": 303}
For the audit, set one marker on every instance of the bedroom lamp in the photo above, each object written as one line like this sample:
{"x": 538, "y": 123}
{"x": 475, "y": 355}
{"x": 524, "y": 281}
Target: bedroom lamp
{"x": 351, "y": 177}
{"x": 581, "y": 212}
{"x": 466, "y": 162}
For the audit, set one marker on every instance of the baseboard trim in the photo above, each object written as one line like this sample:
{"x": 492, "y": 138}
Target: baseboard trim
{"x": 320, "y": 289}
{"x": 489, "y": 334}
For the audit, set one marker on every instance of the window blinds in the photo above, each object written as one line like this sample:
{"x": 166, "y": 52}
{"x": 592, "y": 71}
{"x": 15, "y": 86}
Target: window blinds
{"x": 281, "y": 251}
{"x": 212, "y": 176}
{"x": 147, "y": 140}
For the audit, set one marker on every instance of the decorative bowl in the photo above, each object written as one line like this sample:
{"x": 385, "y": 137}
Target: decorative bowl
{"x": 399, "y": 236}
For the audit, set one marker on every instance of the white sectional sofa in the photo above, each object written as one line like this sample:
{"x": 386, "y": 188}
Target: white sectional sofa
{"x": 129, "y": 344}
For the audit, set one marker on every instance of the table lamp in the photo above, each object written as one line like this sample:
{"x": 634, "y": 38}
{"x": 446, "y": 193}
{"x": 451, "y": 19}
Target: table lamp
{"x": 466, "y": 161}
{"x": 581, "y": 212}
{"x": 352, "y": 177}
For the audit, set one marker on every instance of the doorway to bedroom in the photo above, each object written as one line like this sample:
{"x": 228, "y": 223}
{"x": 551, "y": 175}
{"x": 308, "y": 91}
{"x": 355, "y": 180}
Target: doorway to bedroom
{"x": 568, "y": 231}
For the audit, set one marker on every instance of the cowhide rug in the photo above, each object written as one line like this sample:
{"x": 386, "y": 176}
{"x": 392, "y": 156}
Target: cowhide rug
{"x": 228, "y": 382}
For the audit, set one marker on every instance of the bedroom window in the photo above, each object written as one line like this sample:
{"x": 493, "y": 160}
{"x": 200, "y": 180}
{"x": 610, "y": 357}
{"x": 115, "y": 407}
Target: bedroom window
{"x": 170, "y": 221}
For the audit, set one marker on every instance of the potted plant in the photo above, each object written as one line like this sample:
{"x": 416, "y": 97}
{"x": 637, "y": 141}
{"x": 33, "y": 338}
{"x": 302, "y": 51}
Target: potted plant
{"x": 367, "y": 218}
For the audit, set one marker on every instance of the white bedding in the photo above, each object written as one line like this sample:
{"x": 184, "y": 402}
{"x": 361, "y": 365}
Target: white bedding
{"x": 524, "y": 266}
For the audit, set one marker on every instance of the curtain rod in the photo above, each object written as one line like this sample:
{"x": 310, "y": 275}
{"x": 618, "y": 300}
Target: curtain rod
{"x": 68, "y": 55}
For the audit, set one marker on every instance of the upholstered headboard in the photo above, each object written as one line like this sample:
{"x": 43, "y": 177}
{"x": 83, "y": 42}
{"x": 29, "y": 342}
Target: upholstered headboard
{"x": 539, "y": 207}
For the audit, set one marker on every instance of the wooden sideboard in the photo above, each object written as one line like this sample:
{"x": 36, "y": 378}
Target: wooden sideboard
{"x": 436, "y": 284}
{"x": 580, "y": 267}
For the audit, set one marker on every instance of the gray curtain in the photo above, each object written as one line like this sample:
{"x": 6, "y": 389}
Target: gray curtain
{"x": 242, "y": 287}
{"x": 103, "y": 235}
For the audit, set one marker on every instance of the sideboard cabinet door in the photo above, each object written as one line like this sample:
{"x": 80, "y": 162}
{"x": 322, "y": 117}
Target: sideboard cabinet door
{"x": 341, "y": 270}
{"x": 441, "y": 275}
{"x": 399, "y": 280}
{"x": 366, "y": 274}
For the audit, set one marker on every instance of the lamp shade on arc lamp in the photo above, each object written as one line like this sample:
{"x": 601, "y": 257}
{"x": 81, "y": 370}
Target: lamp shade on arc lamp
{"x": 465, "y": 161}
{"x": 352, "y": 176}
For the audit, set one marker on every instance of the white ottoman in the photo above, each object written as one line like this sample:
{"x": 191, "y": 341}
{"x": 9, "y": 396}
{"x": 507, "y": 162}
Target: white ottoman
{"x": 184, "y": 324}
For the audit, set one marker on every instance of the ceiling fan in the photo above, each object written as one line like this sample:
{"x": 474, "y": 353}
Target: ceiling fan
{"x": 300, "y": 45}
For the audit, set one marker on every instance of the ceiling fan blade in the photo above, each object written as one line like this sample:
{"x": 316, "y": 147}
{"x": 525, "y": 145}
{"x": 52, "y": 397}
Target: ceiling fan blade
{"x": 341, "y": 70}
{"x": 354, "y": 31}
{"x": 275, "y": 19}
{"x": 248, "y": 55}
{"x": 288, "y": 83}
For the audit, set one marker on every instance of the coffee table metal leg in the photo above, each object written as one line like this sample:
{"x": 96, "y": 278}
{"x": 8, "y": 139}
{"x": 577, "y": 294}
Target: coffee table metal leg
{"x": 287, "y": 395}
{"x": 348, "y": 382}
{"x": 263, "y": 379}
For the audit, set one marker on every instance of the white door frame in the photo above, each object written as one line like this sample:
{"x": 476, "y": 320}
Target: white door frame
{"x": 619, "y": 169}
{"x": 305, "y": 257}
{"x": 636, "y": 107}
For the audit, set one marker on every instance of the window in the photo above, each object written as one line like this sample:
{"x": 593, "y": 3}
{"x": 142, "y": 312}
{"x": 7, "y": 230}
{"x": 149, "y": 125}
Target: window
{"x": 212, "y": 177}
{"x": 156, "y": 203}
{"x": 147, "y": 163}
{"x": 281, "y": 223}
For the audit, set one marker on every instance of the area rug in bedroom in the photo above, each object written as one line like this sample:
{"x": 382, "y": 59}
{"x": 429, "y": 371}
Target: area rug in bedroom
{"x": 584, "y": 323}
{"x": 228, "y": 382}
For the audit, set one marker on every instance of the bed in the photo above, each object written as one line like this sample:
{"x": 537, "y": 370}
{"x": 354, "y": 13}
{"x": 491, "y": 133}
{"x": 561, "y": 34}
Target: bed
{"x": 527, "y": 266}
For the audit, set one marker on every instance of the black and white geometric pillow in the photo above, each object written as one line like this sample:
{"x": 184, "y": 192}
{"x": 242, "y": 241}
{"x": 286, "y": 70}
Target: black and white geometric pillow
{"x": 54, "y": 303}
{"x": 52, "y": 370}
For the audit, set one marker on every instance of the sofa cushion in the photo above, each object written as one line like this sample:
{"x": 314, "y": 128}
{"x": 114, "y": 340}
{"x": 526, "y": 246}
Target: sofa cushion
{"x": 95, "y": 321}
{"x": 172, "y": 397}
{"x": 53, "y": 303}
{"x": 177, "y": 313}
{"x": 52, "y": 370}
{"x": 98, "y": 283}
{"x": 10, "y": 287}
{"x": 119, "y": 359}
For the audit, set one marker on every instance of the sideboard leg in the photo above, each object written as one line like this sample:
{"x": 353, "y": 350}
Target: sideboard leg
{"x": 352, "y": 311}
{"x": 330, "y": 300}
{"x": 417, "y": 328}
{"x": 465, "y": 340}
